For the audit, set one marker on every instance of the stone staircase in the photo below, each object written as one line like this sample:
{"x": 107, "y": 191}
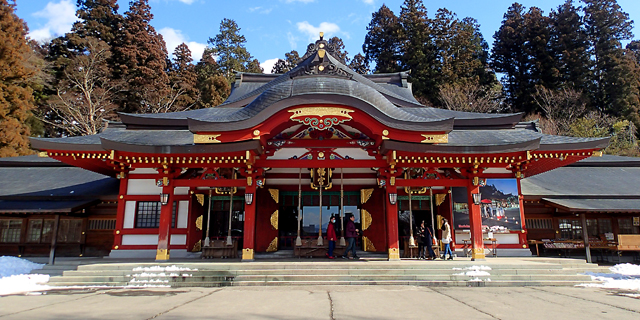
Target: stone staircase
{"x": 294, "y": 272}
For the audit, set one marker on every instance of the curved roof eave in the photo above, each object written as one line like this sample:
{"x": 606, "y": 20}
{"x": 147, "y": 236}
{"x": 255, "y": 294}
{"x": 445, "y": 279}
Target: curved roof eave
{"x": 390, "y": 145}
{"x": 557, "y": 143}
{"x": 211, "y": 125}
{"x": 253, "y": 145}
{"x": 67, "y": 144}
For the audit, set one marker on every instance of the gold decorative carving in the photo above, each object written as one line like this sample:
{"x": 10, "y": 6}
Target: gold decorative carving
{"x": 256, "y": 132}
{"x": 435, "y": 138}
{"x": 43, "y": 154}
{"x": 273, "y": 246}
{"x": 247, "y": 254}
{"x": 392, "y": 181}
{"x": 440, "y": 198}
{"x": 274, "y": 219}
{"x": 249, "y": 181}
{"x": 206, "y": 138}
{"x": 367, "y": 245}
{"x": 199, "y": 222}
{"x": 365, "y": 195}
{"x": 597, "y": 153}
{"x": 200, "y": 198}
{"x": 197, "y": 247}
{"x": 321, "y": 118}
{"x": 366, "y": 219}
{"x": 477, "y": 253}
{"x": 162, "y": 254}
{"x": 385, "y": 132}
{"x": 275, "y": 194}
{"x": 394, "y": 254}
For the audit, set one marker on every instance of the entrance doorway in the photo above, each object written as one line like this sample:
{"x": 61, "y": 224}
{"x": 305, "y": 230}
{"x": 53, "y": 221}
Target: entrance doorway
{"x": 310, "y": 221}
{"x": 421, "y": 212}
{"x": 219, "y": 224}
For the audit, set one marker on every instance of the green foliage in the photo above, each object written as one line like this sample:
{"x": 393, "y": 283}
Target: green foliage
{"x": 229, "y": 47}
{"x": 382, "y": 44}
{"x": 359, "y": 64}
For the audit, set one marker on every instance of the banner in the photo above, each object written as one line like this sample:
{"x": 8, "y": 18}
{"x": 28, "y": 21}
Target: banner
{"x": 499, "y": 208}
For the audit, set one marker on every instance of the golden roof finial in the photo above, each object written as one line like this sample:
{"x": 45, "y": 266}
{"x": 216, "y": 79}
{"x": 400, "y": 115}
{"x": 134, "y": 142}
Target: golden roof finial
{"x": 321, "y": 35}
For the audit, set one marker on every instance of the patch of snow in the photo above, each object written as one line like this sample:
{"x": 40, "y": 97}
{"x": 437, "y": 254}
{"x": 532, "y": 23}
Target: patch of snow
{"x": 475, "y": 280}
{"x": 459, "y": 274}
{"x": 160, "y": 268}
{"x": 161, "y": 274}
{"x": 624, "y": 276}
{"x": 10, "y": 266}
{"x": 477, "y": 273}
{"x": 23, "y": 283}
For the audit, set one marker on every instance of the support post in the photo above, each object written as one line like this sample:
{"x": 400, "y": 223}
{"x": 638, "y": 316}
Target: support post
{"x": 343, "y": 242}
{"x": 320, "y": 243}
{"x": 249, "y": 234}
{"x": 475, "y": 223}
{"x": 585, "y": 235}
{"x": 164, "y": 230}
{"x": 54, "y": 240}
{"x": 117, "y": 238}
{"x": 392, "y": 225}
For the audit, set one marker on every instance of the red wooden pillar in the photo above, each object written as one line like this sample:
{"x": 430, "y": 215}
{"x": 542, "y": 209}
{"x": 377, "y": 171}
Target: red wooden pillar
{"x": 164, "y": 230}
{"x": 392, "y": 224}
{"x": 117, "y": 238}
{"x": 475, "y": 223}
{"x": 523, "y": 232}
{"x": 249, "y": 234}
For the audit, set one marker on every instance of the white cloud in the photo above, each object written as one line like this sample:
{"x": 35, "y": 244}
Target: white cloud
{"x": 174, "y": 38}
{"x": 303, "y": 1}
{"x": 293, "y": 42}
{"x": 368, "y": 1}
{"x": 267, "y": 65}
{"x": 329, "y": 29}
{"x": 60, "y": 17}
{"x": 187, "y": 1}
{"x": 260, "y": 10}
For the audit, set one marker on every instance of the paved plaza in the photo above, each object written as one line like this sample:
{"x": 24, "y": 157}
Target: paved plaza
{"x": 327, "y": 303}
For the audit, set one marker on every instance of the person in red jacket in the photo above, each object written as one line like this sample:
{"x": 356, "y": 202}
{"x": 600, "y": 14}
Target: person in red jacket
{"x": 331, "y": 236}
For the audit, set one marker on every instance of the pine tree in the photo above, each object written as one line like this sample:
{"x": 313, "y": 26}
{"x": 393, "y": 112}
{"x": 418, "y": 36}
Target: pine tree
{"x": 381, "y": 44}
{"x": 607, "y": 25}
{"x": 359, "y": 64}
{"x": 540, "y": 64}
{"x": 16, "y": 100}
{"x": 508, "y": 56}
{"x": 229, "y": 47}
{"x": 570, "y": 48}
{"x": 285, "y": 65}
{"x": 419, "y": 52}
{"x": 212, "y": 84}
{"x": 183, "y": 78}
{"x": 634, "y": 47}
{"x": 340, "y": 52}
{"x": 98, "y": 19}
{"x": 141, "y": 58}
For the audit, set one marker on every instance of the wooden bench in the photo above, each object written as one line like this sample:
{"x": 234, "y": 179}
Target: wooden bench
{"x": 628, "y": 243}
{"x": 220, "y": 249}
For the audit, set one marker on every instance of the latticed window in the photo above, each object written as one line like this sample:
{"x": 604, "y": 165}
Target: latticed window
{"x": 604, "y": 226}
{"x": 625, "y": 226}
{"x": 545, "y": 223}
{"x": 570, "y": 229}
{"x": 70, "y": 231}
{"x": 148, "y": 214}
{"x": 102, "y": 224}
{"x": 39, "y": 230}
{"x": 10, "y": 231}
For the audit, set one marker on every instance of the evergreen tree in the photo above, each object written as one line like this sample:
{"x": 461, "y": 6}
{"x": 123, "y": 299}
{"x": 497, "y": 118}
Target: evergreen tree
{"x": 607, "y": 25}
{"x": 570, "y": 48}
{"x": 541, "y": 69}
{"x": 212, "y": 84}
{"x": 141, "y": 58}
{"x": 183, "y": 78}
{"x": 381, "y": 44}
{"x": 285, "y": 65}
{"x": 634, "y": 47}
{"x": 339, "y": 47}
{"x": 508, "y": 56}
{"x": 419, "y": 52}
{"x": 98, "y": 19}
{"x": 16, "y": 100}
{"x": 229, "y": 47}
{"x": 359, "y": 64}
{"x": 254, "y": 66}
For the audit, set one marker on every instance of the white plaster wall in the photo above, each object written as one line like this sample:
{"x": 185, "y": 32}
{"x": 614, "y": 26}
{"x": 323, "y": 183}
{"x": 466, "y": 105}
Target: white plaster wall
{"x": 143, "y": 187}
{"x": 140, "y": 239}
{"x": 144, "y": 171}
{"x": 181, "y": 191}
{"x": 183, "y": 214}
{"x": 178, "y": 239}
{"x": 129, "y": 214}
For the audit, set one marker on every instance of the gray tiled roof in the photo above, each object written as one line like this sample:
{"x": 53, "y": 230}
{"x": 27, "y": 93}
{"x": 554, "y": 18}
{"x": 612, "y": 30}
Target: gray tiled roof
{"x": 30, "y": 206}
{"x": 632, "y": 205}
{"x": 584, "y": 182}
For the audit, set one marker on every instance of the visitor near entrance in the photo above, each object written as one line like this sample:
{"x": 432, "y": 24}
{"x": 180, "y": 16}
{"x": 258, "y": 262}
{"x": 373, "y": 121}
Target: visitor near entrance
{"x": 351, "y": 233}
{"x": 428, "y": 242}
{"x": 422, "y": 239}
{"x": 446, "y": 239}
{"x": 331, "y": 236}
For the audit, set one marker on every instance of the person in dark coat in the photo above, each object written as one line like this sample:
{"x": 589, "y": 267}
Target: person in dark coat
{"x": 428, "y": 242}
{"x": 351, "y": 233}
{"x": 422, "y": 239}
{"x": 331, "y": 236}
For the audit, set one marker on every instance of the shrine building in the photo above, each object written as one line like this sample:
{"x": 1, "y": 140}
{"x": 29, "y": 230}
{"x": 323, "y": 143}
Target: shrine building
{"x": 266, "y": 169}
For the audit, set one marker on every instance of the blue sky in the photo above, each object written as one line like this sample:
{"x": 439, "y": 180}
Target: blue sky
{"x": 274, "y": 27}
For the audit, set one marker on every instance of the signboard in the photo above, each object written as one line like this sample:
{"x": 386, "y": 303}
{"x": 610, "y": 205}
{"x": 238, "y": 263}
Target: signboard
{"x": 636, "y": 221}
{"x": 499, "y": 208}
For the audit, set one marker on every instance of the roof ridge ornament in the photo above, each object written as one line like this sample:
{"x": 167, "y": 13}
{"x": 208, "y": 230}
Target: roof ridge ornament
{"x": 321, "y": 64}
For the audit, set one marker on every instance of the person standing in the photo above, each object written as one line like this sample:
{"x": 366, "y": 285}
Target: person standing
{"x": 422, "y": 239}
{"x": 446, "y": 239}
{"x": 331, "y": 236}
{"x": 428, "y": 242}
{"x": 350, "y": 232}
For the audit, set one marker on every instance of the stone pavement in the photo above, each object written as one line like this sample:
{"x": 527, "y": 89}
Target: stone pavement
{"x": 325, "y": 302}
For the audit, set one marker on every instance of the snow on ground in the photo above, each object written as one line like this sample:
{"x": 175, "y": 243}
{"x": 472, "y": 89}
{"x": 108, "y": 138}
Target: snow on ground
{"x": 624, "y": 276}
{"x": 474, "y": 268}
{"x": 474, "y": 271}
{"x": 14, "y": 277}
{"x": 160, "y": 268}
